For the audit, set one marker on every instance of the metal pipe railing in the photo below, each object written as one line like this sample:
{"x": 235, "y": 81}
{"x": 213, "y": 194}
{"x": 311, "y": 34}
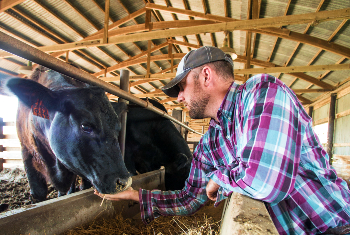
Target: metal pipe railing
{"x": 124, "y": 85}
{"x": 21, "y": 49}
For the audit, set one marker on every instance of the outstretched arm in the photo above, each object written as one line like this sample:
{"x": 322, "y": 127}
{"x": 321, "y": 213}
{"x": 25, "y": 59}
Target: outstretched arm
{"x": 129, "y": 194}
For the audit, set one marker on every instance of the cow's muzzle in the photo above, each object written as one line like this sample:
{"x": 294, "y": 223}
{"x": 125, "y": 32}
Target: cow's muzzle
{"x": 122, "y": 185}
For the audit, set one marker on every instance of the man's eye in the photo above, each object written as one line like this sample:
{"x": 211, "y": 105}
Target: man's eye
{"x": 86, "y": 128}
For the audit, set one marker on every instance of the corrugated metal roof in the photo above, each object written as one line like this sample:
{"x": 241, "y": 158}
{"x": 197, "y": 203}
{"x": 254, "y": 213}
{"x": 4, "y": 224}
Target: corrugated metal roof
{"x": 50, "y": 22}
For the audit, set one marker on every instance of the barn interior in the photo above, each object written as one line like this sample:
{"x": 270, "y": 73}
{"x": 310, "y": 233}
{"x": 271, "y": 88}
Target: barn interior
{"x": 306, "y": 44}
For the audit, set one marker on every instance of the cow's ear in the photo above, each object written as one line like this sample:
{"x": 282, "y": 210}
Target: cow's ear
{"x": 29, "y": 92}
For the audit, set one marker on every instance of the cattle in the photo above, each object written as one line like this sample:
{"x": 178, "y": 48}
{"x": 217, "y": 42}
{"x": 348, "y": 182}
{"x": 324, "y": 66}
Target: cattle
{"x": 69, "y": 128}
{"x": 153, "y": 141}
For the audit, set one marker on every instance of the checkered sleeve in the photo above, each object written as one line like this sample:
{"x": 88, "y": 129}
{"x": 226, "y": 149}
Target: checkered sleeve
{"x": 179, "y": 202}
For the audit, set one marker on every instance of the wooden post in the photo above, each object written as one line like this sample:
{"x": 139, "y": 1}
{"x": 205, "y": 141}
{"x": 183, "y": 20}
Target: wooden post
{"x": 311, "y": 110}
{"x": 105, "y": 32}
{"x": 67, "y": 56}
{"x": 171, "y": 55}
{"x": 149, "y": 59}
{"x": 2, "y": 124}
{"x": 148, "y": 26}
{"x": 331, "y": 121}
{"x": 186, "y": 132}
{"x": 178, "y": 115}
{"x": 124, "y": 85}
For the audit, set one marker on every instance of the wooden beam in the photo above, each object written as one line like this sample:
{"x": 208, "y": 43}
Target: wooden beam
{"x": 149, "y": 58}
{"x": 106, "y": 23}
{"x": 272, "y": 31}
{"x": 140, "y": 60}
{"x": 303, "y": 100}
{"x": 184, "y": 43}
{"x": 218, "y": 27}
{"x": 168, "y": 100}
{"x": 7, "y": 4}
{"x": 294, "y": 69}
{"x": 300, "y": 91}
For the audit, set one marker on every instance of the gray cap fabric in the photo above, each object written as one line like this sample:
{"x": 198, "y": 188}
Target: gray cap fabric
{"x": 191, "y": 60}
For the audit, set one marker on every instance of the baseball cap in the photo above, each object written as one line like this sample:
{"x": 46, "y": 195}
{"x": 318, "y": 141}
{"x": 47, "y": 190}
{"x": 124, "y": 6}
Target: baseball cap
{"x": 191, "y": 60}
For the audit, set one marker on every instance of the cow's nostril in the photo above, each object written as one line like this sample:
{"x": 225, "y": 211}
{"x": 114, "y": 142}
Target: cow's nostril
{"x": 123, "y": 184}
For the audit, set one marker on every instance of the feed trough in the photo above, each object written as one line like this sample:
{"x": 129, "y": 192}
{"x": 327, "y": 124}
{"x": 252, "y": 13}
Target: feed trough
{"x": 238, "y": 214}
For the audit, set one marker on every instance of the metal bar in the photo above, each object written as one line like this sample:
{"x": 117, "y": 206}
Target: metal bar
{"x": 331, "y": 121}
{"x": 28, "y": 52}
{"x": 124, "y": 85}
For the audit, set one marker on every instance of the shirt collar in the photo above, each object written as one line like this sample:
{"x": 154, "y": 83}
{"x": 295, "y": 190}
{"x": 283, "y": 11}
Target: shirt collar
{"x": 227, "y": 104}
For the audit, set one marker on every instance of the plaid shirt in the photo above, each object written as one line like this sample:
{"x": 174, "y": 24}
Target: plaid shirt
{"x": 263, "y": 147}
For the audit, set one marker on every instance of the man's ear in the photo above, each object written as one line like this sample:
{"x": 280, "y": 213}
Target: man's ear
{"x": 30, "y": 92}
{"x": 208, "y": 75}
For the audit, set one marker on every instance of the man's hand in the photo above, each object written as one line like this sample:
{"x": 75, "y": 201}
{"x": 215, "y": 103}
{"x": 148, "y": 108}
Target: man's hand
{"x": 212, "y": 190}
{"x": 129, "y": 194}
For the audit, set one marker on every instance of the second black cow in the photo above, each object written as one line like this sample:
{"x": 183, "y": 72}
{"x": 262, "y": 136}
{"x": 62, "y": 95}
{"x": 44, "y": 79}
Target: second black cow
{"x": 153, "y": 141}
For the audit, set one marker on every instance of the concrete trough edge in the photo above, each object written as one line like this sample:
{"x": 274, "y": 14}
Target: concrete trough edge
{"x": 243, "y": 215}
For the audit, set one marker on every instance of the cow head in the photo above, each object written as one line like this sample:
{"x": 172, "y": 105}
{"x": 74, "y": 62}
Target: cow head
{"x": 81, "y": 128}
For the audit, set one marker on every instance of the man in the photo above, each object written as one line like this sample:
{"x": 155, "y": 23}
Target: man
{"x": 260, "y": 143}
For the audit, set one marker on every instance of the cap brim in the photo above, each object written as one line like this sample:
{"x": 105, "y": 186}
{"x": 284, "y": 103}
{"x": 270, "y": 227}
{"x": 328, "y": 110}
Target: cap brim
{"x": 171, "y": 89}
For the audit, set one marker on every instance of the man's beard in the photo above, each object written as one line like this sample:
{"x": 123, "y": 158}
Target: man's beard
{"x": 197, "y": 107}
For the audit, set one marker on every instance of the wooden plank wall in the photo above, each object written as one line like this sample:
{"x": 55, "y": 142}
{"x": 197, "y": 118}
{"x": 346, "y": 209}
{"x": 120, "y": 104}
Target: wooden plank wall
{"x": 341, "y": 146}
{"x": 10, "y": 155}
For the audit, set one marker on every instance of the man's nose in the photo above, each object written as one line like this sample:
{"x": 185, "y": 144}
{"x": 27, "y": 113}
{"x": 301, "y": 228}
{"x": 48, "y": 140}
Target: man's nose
{"x": 180, "y": 97}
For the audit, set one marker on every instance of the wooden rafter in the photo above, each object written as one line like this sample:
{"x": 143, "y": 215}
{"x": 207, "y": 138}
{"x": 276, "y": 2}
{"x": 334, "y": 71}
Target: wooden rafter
{"x": 218, "y": 27}
{"x": 52, "y": 36}
{"x": 125, "y": 64}
{"x": 283, "y": 33}
{"x": 7, "y": 4}
{"x": 277, "y": 37}
{"x": 295, "y": 69}
{"x": 320, "y": 50}
{"x": 299, "y": 43}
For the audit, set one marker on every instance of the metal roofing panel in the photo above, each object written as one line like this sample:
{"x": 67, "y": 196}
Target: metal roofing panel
{"x": 343, "y": 37}
{"x": 272, "y": 8}
{"x": 216, "y": 7}
{"x": 42, "y": 16}
{"x": 91, "y": 11}
{"x": 82, "y": 63}
{"x": 13, "y": 25}
{"x": 66, "y": 13}
{"x": 303, "y": 55}
{"x": 265, "y": 45}
{"x": 325, "y": 29}
{"x": 196, "y": 5}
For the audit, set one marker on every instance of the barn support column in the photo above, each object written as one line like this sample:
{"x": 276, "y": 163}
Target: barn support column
{"x": 124, "y": 85}
{"x": 178, "y": 115}
{"x": 311, "y": 110}
{"x": 331, "y": 121}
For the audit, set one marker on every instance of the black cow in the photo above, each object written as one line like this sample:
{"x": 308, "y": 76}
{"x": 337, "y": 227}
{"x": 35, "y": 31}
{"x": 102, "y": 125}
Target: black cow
{"x": 153, "y": 141}
{"x": 68, "y": 128}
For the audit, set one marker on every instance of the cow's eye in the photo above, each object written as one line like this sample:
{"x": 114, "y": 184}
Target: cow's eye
{"x": 86, "y": 128}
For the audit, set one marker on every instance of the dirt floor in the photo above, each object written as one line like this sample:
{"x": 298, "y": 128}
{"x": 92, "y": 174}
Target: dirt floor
{"x": 15, "y": 191}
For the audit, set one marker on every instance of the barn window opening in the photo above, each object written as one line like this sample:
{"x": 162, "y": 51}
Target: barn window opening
{"x": 322, "y": 130}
